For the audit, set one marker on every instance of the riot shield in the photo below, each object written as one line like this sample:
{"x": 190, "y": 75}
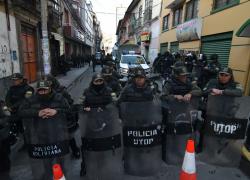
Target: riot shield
{"x": 225, "y": 129}
{"x": 179, "y": 119}
{"x": 47, "y": 141}
{"x": 101, "y": 143}
{"x": 142, "y": 137}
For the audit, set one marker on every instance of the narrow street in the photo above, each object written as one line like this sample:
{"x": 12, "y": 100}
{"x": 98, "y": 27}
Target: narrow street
{"x": 21, "y": 168}
{"x": 185, "y": 66}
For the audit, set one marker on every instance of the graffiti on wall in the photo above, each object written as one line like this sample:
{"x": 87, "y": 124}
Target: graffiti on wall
{"x": 4, "y": 59}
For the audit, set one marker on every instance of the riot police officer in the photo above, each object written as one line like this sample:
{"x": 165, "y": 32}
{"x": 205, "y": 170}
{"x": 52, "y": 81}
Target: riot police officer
{"x": 138, "y": 90}
{"x": 100, "y": 132}
{"x": 72, "y": 116}
{"x": 180, "y": 87}
{"x": 179, "y": 94}
{"x": 97, "y": 94}
{"x": 15, "y": 96}
{"x": 156, "y": 63}
{"x": 140, "y": 111}
{"x": 212, "y": 68}
{"x": 4, "y": 143}
{"x": 223, "y": 85}
{"x": 45, "y": 124}
{"x": 111, "y": 82}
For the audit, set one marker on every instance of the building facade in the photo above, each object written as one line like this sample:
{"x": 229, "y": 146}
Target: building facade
{"x": 140, "y": 26}
{"x": 70, "y": 32}
{"x": 208, "y": 26}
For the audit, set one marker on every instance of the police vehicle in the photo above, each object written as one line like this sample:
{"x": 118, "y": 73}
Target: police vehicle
{"x": 132, "y": 60}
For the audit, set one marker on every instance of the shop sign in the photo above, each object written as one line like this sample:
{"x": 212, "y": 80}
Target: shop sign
{"x": 189, "y": 31}
{"x": 145, "y": 36}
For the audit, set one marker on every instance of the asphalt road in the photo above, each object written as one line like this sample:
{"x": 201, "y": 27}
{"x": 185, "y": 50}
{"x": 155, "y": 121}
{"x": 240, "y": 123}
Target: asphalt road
{"x": 21, "y": 169}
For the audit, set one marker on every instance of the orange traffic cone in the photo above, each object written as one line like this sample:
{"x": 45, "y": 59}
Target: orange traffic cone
{"x": 188, "y": 171}
{"x": 57, "y": 172}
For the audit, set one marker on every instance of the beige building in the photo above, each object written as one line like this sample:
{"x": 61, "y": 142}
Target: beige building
{"x": 209, "y": 26}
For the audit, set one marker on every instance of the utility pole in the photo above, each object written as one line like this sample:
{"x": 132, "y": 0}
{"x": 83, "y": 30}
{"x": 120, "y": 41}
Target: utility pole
{"x": 45, "y": 37}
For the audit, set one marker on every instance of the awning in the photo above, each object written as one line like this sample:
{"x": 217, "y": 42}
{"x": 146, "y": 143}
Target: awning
{"x": 244, "y": 30}
{"x": 59, "y": 38}
{"x": 130, "y": 42}
{"x": 174, "y": 4}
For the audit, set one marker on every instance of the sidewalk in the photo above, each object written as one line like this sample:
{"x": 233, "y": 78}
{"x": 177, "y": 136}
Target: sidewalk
{"x": 72, "y": 76}
{"x": 68, "y": 80}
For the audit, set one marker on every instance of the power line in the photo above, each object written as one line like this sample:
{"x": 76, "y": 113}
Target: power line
{"x": 111, "y": 13}
{"x": 108, "y": 13}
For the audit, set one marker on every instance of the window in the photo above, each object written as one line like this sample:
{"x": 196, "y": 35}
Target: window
{"x": 177, "y": 16}
{"x": 148, "y": 10}
{"x": 140, "y": 16}
{"x": 165, "y": 23}
{"x": 66, "y": 14}
{"x": 191, "y": 10}
{"x": 222, "y": 3}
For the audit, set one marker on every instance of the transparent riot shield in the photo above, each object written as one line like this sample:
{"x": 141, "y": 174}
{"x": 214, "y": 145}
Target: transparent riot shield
{"x": 47, "y": 141}
{"x": 142, "y": 137}
{"x": 179, "y": 119}
{"x": 225, "y": 129}
{"x": 101, "y": 143}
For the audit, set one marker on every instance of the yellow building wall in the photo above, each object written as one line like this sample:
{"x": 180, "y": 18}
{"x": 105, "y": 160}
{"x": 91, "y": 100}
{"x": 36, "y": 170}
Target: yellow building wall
{"x": 229, "y": 19}
{"x": 191, "y": 45}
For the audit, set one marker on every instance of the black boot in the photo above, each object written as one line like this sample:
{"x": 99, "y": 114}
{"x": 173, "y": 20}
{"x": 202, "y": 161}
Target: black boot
{"x": 74, "y": 148}
{"x": 83, "y": 170}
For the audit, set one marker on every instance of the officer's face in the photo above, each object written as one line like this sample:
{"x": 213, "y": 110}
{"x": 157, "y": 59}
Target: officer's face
{"x": 17, "y": 82}
{"x": 98, "y": 82}
{"x": 182, "y": 78}
{"x": 224, "y": 78}
{"x": 43, "y": 91}
{"x": 140, "y": 81}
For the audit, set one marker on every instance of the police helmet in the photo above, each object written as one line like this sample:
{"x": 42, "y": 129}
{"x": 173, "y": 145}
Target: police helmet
{"x": 97, "y": 76}
{"x": 180, "y": 71}
{"x": 106, "y": 71}
{"x": 53, "y": 81}
{"x": 139, "y": 72}
{"x": 227, "y": 70}
{"x": 43, "y": 84}
{"x": 17, "y": 76}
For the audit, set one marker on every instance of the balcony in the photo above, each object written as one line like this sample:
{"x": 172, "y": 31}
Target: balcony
{"x": 75, "y": 13}
{"x": 73, "y": 33}
{"x": 55, "y": 19}
{"x": 32, "y": 6}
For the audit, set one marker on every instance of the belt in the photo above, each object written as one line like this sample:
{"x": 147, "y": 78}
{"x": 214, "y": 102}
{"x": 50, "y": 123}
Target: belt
{"x": 102, "y": 144}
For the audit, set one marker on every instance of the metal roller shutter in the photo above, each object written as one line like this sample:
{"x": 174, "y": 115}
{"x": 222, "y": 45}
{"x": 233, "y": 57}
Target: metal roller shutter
{"x": 164, "y": 48}
{"x": 219, "y": 44}
{"x": 174, "y": 46}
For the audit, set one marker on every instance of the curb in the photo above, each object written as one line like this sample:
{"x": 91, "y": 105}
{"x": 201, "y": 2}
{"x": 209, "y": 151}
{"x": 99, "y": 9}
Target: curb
{"x": 72, "y": 84}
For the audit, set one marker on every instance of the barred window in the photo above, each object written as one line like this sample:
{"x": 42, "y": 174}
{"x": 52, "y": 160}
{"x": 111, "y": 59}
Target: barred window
{"x": 165, "y": 23}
